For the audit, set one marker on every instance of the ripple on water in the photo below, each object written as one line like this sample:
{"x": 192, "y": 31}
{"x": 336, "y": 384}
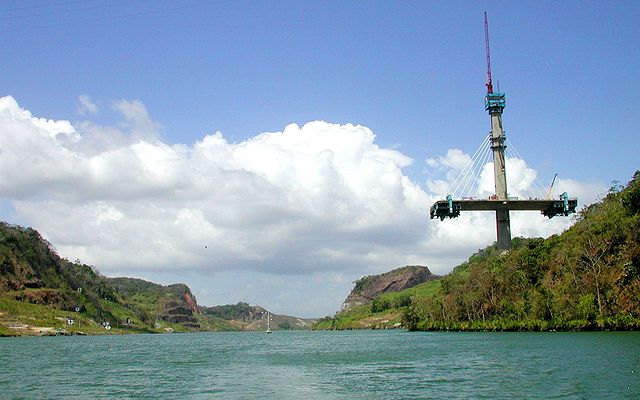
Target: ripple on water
{"x": 319, "y": 365}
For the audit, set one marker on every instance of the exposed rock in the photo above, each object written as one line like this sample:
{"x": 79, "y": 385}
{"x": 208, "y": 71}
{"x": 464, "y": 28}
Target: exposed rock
{"x": 175, "y": 312}
{"x": 372, "y": 286}
{"x": 191, "y": 301}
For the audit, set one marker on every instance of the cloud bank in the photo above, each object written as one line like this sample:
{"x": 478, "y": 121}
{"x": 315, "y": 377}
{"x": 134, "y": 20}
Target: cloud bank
{"x": 312, "y": 205}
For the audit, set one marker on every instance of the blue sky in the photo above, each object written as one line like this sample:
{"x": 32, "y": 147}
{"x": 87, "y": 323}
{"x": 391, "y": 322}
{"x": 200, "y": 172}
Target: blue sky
{"x": 411, "y": 72}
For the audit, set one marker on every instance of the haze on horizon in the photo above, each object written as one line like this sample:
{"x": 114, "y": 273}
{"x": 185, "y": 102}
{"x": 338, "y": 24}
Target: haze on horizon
{"x": 241, "y": 149}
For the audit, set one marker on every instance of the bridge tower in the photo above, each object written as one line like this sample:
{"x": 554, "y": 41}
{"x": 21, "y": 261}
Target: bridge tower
{"x": 500, "y": 202}
{"x": 494, "y": 104}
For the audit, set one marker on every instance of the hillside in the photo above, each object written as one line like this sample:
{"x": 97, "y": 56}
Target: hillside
{"x": 247, "y": 317}
{"x": 586, "y": 278}
{"x": 371, "y": 287}
{"x": 384, "y": 312}
{"x": 377, "y": 301}
{"x": 43, "y": 294}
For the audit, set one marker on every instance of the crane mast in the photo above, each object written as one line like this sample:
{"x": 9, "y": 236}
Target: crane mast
{"x": 486, "y": 42}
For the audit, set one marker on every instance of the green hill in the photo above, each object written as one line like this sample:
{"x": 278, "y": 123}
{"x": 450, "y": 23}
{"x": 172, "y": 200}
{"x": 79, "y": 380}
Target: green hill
{"x": 43, "y": 294}
{"x": 586, "y": 278}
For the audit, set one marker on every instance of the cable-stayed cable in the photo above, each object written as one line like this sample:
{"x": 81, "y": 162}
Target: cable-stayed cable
{"x": 474, "y": 178}
{"x": 537, "y": 185}
{"x": 484, "y": 162}
{"x": 467, "y": 170}
{"x": 464, "y": 172}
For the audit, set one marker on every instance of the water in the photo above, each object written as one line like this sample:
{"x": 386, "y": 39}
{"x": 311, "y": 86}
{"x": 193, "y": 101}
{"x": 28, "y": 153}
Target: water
{"x": 323, "y": 365}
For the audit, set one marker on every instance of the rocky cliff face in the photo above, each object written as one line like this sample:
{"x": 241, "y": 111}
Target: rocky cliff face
{"x": 190, "y": 299}
{"x": 372, "y": 286}
{"x": 182, "y": 309}
{"x": 176, "y": 312}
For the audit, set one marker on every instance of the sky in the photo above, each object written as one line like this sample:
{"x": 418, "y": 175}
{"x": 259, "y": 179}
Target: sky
{"x": 275, "y": 152}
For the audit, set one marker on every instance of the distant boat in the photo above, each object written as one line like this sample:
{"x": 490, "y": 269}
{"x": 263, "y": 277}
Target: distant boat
{"x": 268, "y": 323}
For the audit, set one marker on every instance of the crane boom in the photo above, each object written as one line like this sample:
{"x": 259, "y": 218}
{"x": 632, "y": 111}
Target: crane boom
{"x": 489, "y": 84}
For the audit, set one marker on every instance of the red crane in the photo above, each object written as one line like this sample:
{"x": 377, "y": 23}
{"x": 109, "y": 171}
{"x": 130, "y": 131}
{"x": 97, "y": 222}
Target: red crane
{"x": 486, "y": 41}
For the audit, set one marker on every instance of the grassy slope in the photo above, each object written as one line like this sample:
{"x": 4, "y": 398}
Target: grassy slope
{"x": 19, "y": 313}
{"x": 35, "y": 316}
{"x": 41, "y": 290}
{"x": 385, "y": 312}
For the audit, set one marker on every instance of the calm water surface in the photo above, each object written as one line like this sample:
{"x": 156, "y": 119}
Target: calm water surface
{"x": 323, "y": 365}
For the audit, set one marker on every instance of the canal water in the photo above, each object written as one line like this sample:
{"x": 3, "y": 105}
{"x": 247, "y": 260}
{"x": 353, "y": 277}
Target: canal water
{"x": 323, "y": 365}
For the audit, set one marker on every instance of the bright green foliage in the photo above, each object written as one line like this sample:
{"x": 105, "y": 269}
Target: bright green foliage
{"x": 360, "y": 317}
{"x": 586, "y": 278}
{"x": 383, "y": 312}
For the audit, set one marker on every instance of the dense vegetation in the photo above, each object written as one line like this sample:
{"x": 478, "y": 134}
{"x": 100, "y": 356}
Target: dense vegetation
{"x": 586, "y": 278}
